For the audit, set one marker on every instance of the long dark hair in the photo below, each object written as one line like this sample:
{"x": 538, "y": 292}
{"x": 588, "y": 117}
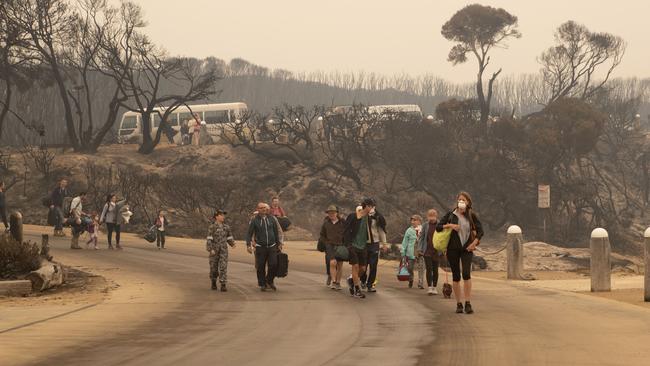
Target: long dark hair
{"x": 469, "y": 212}
{"x": 109, "y": 197}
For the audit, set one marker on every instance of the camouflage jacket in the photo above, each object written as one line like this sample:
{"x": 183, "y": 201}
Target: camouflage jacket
{"x": 219, "y": 234}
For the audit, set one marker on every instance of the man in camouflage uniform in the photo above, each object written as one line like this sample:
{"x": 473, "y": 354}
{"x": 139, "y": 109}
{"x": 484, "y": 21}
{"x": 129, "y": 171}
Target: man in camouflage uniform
{"x": 219, "y": 237}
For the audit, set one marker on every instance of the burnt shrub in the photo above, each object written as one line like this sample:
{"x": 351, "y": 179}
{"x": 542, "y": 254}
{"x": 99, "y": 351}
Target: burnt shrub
{"x": 16, "y": 258}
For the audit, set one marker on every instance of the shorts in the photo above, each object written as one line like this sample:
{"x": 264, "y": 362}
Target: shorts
{"x": 358, "y": 256}
{"x": 330, "y": 251}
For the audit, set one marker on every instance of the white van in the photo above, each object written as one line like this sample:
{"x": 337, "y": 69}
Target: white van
{"x": 381, "y": 111}
{"x": 215, "y": 116}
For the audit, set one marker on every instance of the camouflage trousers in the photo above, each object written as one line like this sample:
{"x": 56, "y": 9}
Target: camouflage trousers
{"x": 219, "y": 263}
{"x": 419, "y": 267}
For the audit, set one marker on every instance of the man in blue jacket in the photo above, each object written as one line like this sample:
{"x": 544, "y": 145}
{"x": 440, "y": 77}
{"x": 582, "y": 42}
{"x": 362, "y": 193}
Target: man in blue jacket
{"x": 264, "y": 239}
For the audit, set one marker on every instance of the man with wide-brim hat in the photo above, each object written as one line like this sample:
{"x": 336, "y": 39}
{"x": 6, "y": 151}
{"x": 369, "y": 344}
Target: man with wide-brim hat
{"x": 331, "y": 234}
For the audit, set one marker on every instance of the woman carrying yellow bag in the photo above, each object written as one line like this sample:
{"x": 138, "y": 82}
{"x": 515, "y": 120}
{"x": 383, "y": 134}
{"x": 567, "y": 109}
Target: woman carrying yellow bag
{"x": 464, "y": 232}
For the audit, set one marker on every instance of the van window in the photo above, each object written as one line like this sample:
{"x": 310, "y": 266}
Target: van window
{"x": 156, "y": 120}
{"x": 129, "y": 122}
{"x": 214, "y": 117}
{"x": 171, "y": 119}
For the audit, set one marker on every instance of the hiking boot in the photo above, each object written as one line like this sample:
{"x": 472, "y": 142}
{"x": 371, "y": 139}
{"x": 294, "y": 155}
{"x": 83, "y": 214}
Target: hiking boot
{"x": 214, "y": 284}
{"x": 351, "y": 286}
{"x": 358, "y": 294}
{"x": 329, "y": 281}
{"x": 272, "y": 286}
{"x": 468, "y": 308}
{"x": 410, "y": 284}
{"x": 459, "y": 308}
{"x": 223, "y": 288}
{"x": 430, "y": 291}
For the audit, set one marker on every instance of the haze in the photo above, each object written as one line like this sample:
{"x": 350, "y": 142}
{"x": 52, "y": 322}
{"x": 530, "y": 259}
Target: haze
{"x": 388, "y": 37}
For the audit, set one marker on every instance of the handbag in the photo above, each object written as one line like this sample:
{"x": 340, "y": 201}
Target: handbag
{"x": 320, "y": 246}
{"x": 403, "y": 271}
{"x": 341, "y": 253}
{"x": 441, "y": 240}
{"x": 150, "y": 235}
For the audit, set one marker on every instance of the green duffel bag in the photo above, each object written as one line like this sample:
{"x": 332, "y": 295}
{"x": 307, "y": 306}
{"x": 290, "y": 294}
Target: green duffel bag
{"x": 341, "y": 253}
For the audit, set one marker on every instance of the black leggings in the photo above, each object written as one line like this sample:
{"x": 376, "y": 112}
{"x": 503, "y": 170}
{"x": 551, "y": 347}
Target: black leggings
{"x": 456, "y": 257}
{"x": 160, "y": 239}
{"x": 113, "y": 227}
{"x": 431, "y": 270}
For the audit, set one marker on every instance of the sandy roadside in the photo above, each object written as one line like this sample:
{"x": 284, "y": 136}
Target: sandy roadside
{"x": 29, "y": 327}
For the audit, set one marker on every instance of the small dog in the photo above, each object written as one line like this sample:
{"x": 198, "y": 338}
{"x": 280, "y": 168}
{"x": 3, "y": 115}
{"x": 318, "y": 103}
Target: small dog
{"x": 447, "y": 290}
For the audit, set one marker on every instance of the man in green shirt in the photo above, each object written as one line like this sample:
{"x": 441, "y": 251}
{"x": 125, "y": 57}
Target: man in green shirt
{"x": 356, "y": 239}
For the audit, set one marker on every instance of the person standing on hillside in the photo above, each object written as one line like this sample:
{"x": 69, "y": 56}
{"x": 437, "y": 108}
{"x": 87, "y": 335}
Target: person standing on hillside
{"x": 331, "y": 234}
{"x": 264, "y": 231}
{"x": 56, "y": 204}
{"x": 376, "y": 237}
{"x": 466, "y": 235}
{"x": 431, "y": 257}
{"x": 161, "y": 224}
{"x": 219, "y": 237}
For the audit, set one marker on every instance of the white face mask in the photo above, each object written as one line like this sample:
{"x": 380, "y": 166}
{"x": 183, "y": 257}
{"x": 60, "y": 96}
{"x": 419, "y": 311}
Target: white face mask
{"x": 462, "y": 205}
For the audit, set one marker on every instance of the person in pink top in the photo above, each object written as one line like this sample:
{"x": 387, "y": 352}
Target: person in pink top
{"x": 280, "y": 214}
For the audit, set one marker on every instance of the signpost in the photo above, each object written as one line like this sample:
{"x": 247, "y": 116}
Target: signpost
{"x": 544, "y": 202}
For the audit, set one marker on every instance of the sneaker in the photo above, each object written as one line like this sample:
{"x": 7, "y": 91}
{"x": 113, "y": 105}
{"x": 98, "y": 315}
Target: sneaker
{"x": 459, "y": 308}
{"x": 430, "y": 291}
{"x": 468, "y": 308}
{"x": 118, "y": 247}
{"x": 272, "y": 287}
{"x": 420, "y": 286}
{"x": 363, "y": 286}
{"x": 110, "y": 247}
{"x": 338, "y": 287}
{"x": 351, "y": 286}
{"x": 329, "y": 281}
{"x": 358, "y": 294}
{"x": 410, "y": 284}
{"x": 372, "y": 289}
{"x": 435, "y": 291}
{"x": 223, "y": 288}
{"x": 263, "y": 288}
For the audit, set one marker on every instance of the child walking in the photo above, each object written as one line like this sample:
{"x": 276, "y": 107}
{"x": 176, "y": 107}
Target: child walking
{"x": 161, "y": 224}
{"x": 93, "y": 229}
{"x": 409, "y": 244}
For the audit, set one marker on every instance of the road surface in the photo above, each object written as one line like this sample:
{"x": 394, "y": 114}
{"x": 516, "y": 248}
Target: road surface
{"x": 163, "y": 313}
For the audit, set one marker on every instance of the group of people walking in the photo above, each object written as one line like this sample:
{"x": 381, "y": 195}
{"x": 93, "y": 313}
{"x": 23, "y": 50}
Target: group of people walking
{"x": 357, "y": 238}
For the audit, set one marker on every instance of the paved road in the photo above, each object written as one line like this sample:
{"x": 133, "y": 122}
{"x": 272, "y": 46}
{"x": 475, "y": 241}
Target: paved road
{"x": 175, "y": 319}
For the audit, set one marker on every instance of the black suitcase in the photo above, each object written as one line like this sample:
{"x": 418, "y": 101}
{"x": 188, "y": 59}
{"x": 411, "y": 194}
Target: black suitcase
{"x": 283, "y": 265}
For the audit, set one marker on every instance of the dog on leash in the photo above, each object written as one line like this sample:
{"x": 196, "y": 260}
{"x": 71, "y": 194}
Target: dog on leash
{"x": 447, "y": 290}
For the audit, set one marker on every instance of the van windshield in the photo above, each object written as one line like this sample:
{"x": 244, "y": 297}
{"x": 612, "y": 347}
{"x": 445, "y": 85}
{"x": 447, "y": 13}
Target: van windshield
{"x": 129, "y": 122}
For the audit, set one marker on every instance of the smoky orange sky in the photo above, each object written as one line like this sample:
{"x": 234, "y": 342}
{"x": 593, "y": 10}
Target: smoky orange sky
{"x": 389, "y": 37}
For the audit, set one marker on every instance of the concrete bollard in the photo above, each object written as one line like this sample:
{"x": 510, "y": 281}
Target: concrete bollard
{"x": 601, "y": 266}
{"x": 16, "y": 226}
{"x": 646, "y": 294}
{"x": 515, "y": 253}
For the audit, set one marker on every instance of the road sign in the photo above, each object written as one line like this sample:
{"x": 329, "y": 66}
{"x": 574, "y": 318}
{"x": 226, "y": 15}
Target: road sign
{"x": 544, "y": 196}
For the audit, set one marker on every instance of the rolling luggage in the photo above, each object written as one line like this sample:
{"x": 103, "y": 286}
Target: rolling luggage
{"x": 283, "y": 265}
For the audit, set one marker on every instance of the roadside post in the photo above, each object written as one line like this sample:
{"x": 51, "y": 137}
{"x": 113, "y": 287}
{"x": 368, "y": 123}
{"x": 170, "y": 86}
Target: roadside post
{"x": 600, "y": 262}
{"x": 515, "y": 253}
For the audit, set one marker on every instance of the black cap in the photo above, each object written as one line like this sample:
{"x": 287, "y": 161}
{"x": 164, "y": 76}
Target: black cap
{"x": 368, "y": 202}
{"x": 220, "y": 212}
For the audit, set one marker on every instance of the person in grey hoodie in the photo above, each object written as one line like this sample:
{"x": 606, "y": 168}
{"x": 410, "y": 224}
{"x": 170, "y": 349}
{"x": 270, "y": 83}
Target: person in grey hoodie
{"x": 113, "y": 219}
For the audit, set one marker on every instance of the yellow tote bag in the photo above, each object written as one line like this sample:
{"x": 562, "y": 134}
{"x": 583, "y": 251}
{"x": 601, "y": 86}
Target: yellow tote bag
{"x": 441, "y": 240}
